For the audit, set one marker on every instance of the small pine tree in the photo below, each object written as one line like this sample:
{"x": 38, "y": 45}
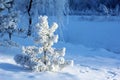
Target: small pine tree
{"x": 44, "y": 57}
{"x": 8, "y": 24}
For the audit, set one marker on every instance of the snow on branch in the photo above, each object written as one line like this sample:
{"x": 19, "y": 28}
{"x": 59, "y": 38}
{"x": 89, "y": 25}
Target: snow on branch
{"x": 44, "y": 57}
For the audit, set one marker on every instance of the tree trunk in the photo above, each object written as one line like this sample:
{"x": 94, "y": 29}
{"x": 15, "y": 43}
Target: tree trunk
{"x": 45, "y": 57}
{"x": 30, "y": 18}
{"x": 10, "y": 35}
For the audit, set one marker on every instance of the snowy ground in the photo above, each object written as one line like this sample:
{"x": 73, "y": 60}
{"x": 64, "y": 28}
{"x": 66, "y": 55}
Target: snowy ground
{"x": 89, "y": 64}
{"x": 94, "y": 31}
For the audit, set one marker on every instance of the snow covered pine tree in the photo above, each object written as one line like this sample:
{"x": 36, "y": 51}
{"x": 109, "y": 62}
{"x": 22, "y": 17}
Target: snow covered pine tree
{"x": 8, "y": 22}
{"x": 44, "y": 57}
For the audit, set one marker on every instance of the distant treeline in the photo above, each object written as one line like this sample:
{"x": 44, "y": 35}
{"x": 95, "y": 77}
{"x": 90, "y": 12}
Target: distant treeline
{"x": 99, "y": 6}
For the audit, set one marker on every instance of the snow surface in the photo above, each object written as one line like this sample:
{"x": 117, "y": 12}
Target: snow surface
{"x": 95, "y": 62}
{"x": 94, "y": 31}
{"x": 90, "y": 64}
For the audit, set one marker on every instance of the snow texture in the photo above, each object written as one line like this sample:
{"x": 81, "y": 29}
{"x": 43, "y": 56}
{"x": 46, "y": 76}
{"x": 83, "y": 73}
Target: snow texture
{"x": 90, "y": 64}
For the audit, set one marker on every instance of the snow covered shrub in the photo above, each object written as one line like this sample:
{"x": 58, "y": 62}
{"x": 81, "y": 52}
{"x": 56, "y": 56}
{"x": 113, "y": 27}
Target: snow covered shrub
{"x": 44, "y": 57}
{"x": 8, "y": 27}
{"x": 8, "y": 18}
{"x": 8, "y": 24}
{"x": 5, "y": 4}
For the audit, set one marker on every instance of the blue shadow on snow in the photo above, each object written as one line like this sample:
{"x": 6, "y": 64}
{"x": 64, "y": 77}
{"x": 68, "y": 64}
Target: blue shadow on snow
{"x": 11, "y": 67}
